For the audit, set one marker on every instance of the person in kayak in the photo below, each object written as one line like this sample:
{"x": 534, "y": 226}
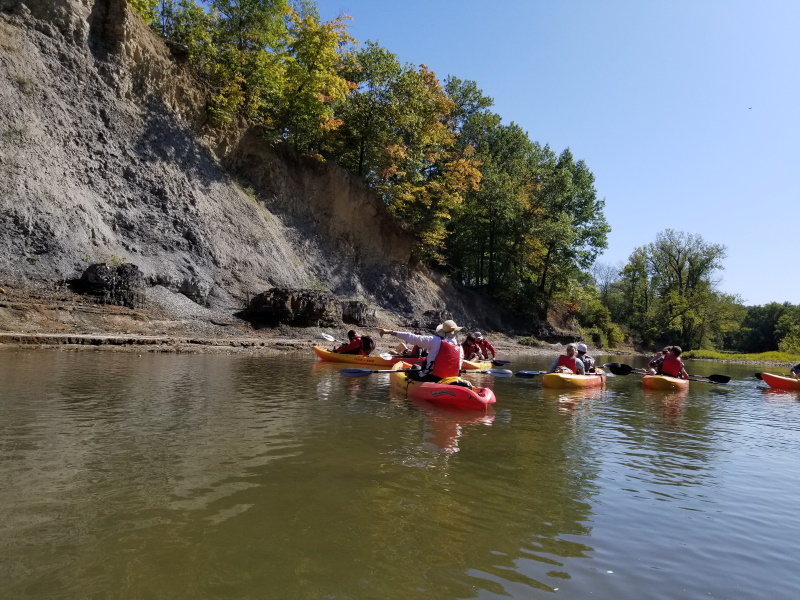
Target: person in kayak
{"x": 472, "y": 351}
{"x": 355, "y": 346}
{"x": 657, "y": 360}
{"x": 588, "y": 361}
{"x": 672, "y": 364}
{"x": 444, "y": 352}
{"x": 795, "y": 371}
{"x": 412, "y": 351}
{"x": 485, "y": 345}
{"x": 569, "y": 360}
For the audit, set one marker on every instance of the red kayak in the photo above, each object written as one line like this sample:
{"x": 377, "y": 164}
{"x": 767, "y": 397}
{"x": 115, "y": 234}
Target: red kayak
{"x": 780, "y": 382}
{"x": 454, "y": 395}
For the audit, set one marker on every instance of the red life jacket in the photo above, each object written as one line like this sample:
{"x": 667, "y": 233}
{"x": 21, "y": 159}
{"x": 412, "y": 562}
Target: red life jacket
{"x": 672, "y": 365}
{"x": 568, "y": 361}
{"x": 448, "y": 361}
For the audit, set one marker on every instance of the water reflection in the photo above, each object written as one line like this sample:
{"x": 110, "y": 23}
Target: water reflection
{"x": 230, "y": 477}
{"x": 445, "y": 425}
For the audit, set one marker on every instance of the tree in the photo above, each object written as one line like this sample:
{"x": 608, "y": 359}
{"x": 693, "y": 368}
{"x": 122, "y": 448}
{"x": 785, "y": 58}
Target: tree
{"x": 571, "y": 228}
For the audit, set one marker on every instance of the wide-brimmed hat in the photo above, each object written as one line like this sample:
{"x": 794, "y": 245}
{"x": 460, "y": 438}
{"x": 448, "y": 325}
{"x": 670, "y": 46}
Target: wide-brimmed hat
{"x": 448, "y": 326}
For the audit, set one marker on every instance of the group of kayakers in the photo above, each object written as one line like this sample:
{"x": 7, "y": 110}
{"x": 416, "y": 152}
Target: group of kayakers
{"x": 444, "y": 355}
{"x": 442, "y": 352}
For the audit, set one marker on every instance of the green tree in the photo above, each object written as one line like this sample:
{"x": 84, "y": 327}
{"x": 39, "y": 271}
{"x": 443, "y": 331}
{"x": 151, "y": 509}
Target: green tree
{"x": 571, "y": 229}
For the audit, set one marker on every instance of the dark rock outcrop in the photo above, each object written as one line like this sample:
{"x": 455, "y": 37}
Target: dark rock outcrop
{"x": 112, "y": 284}
{"x": 298, "y": 308}
{"x": 355, "y": 312}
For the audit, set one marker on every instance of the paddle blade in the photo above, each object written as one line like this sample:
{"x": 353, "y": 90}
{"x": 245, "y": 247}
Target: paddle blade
{"x": 357, "y": 372}
{"x": 501, "y": 363}
{"x": 719, "y": 378}
{"x": 618, "y": 368}
{"x": 529, "y": 374}
{"x": 386, "y": 356}
{"x": 327, "y": 337}
{"x": 498, "y": 372}
{"x": 492, "y": 372}
{"x": 758, "y": 376}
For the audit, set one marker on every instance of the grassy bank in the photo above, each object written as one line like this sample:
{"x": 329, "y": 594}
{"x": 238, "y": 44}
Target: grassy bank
{"x": 765, "y": 357}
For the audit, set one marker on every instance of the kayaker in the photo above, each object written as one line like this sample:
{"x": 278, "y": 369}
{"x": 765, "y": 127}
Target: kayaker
{"x": 412, "y": 351}
{"x": 672, "y": 364}
{"x": 472, "y": 351}
{"x": 444, "y": 352}
{"x": 588, "y": 361}
{"x": 355, "y": 345}
{"x": 795, "y": 371}
{"x": 569, "y": 360}
{"x": 657, "y": 360}
{"x": 484, "y": 344}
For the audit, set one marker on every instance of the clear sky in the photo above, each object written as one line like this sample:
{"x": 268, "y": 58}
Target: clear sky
{"x": 686, "y": 111}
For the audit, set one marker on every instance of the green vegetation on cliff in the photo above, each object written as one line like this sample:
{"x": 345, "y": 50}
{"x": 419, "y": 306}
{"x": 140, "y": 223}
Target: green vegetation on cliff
{"x": 498, "y": 211}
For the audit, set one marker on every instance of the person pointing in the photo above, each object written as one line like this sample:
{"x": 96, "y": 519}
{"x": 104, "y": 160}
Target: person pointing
{"x": 444, "y": 352}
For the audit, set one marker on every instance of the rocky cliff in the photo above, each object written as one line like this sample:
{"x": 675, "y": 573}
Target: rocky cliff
{"x": 106, "y": 156}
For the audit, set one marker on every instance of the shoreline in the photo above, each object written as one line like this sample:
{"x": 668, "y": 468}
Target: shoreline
{"x": 263, "y": 342}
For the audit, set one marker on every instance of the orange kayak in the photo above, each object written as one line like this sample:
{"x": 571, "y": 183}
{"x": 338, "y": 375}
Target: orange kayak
{"x": 454, "y": 395}
{"x": 572, "y": 380}
{"x": 780, "y": 382}
{"x": 664, "y": 382}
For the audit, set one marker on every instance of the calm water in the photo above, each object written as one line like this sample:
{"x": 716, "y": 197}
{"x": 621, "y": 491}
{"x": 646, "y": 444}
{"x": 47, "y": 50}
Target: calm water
{"x": 193, "y": 476}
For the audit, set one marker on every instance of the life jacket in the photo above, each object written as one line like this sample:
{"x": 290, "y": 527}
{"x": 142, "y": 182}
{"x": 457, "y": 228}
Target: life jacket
{"x": 671, "y": 366}
{"x": 568, "y": 361}
{"x": 354, "y": 346}
{"x": 448, "y": 361}
{"x": 471, "y": 348}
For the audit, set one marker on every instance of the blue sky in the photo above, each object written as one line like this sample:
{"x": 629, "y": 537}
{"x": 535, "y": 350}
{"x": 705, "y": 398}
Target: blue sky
{"x": 686, "y": 111}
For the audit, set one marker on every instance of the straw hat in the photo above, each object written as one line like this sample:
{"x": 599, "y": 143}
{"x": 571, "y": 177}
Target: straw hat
{"x": 448, "y": 326}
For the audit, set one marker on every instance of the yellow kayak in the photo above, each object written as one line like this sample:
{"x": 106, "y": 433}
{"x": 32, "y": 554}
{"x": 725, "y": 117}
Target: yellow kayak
{"x": 572, "y": 380}
{"x": 664, "y": 382}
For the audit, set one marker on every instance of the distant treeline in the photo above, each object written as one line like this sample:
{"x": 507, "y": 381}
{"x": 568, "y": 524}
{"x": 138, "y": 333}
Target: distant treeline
{"x": 495, "y": 209}
{"x": 667, "y": 294}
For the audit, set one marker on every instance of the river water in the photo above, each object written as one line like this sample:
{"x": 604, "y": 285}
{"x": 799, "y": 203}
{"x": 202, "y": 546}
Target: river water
{"x": 231, "y": 477}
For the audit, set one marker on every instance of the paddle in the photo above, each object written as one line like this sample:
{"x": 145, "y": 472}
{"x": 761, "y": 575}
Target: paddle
{"x": 529, "y": 374}
{"x": 492, "y": 372}
{"x": 758, "y": 376}
{"x": 388, "y": 356}
{"x": 330, "y": 338}
{"x": 365, "y": 372}
{"x": 621, "y": 369}
{"x": 713, "y": 378}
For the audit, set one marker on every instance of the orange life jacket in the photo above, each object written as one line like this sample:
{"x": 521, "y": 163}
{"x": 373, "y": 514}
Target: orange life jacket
{"x": 568, "y": 361}
{"x": 672, "y": 365}
{"x": 448, "y": 361}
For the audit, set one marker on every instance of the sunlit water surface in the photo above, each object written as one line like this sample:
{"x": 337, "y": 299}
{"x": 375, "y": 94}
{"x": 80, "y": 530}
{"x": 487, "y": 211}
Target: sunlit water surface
{"x": 196, "y": 476}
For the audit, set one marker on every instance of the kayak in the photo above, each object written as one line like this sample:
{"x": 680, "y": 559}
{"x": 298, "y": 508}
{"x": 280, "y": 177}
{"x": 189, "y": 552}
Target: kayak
{"x": 572, "y": 380}
{"x": 473, "y": 365}
{"x": 453, "y": 395}
{"x": 357, "y": 359}
{"x": 664, "y": 382}
{"x": 780, "y": 382}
